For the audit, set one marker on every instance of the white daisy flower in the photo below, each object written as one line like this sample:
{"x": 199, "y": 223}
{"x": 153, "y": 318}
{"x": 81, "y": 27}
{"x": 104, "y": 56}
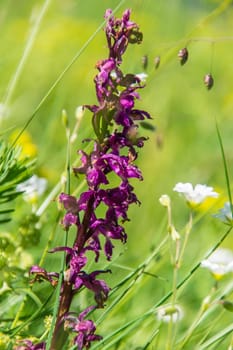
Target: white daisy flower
{"x": 32, "y": 188}
{"x": 219, "y": 263}
{"x": 169, "y": 313}
{"x": 195, "y": 195}
{"x": 225, "y": 214}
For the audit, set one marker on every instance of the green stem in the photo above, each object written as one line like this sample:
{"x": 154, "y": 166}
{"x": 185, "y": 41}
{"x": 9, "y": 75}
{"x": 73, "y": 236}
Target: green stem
{"x": 169, "y": 344}
{"x": 57, "y": 335}
{"x": 16, "y": 319}
{"x": 186, "y": 237}
{"x": 225, "y": 167}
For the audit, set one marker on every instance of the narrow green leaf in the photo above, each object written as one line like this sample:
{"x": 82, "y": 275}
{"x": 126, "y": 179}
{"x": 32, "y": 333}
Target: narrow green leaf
{"x": 6, "y": 211}
{"x": 225, "y": 167}
{"x": 217, "y": 337}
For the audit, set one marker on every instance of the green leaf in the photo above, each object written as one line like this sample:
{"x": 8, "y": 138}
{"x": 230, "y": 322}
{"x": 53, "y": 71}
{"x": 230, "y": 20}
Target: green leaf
{"x": 13, "y": 171}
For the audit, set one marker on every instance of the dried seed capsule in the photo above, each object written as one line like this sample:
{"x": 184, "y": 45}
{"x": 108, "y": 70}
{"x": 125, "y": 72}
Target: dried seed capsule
{"x": 157, "y": 62}
{"x": 208, "y": 81}
{"x": 228, "y": 305}
{"x": 144, "y": 61}
{"x": 147, "y": 126}
{"x": 183, "y": 56}
{"x": 159, "y": 141}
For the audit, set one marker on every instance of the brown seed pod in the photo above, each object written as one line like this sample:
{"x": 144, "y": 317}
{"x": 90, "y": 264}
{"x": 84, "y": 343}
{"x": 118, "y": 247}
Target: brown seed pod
{"x": 183, "y": 55}
{"x": 144, "y": 61}
{"x": 208, "y": 81}
{"x": 157, "y": 62}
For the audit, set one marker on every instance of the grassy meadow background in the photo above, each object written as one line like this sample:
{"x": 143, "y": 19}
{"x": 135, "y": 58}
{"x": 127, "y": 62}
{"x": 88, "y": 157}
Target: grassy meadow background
{"x": 184, "y": 147}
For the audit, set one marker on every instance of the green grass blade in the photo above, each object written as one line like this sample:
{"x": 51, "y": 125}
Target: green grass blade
{"x": 63, "y": 260}
{"x": 225, "y": 167}
{"x": 217, "y": 337}
{"x": 26, "y": 52}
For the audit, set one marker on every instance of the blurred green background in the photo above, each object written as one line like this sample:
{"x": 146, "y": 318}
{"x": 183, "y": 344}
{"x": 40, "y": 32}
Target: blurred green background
{"x": 184, "y": 147}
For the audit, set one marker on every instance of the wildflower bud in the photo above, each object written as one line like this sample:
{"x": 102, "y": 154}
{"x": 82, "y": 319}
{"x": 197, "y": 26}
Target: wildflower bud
{"x": 63, "y": 180}
{"x": 208, "y": 81}
{"x": 165, "y": 200}
{"x": 206, "y": 303}
{"x": 64, "y": 118}
{"x": 79, "y": 112}
{"x": 48, "y": 322}
{"x": 174, "y": 234}
{"x": 157, "y": 62}
{"x": 183, "y": 56}
{"x": 144, "y": 61}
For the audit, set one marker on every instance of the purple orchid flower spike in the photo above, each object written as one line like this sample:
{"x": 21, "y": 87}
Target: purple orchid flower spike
{"x": 114, "y": 151}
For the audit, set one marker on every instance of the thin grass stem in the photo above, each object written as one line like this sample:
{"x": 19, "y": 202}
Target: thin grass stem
{"x": 62, "y": 74}
{"x": 225, "y": 167}
{"x": 29, "y": 44}
{"x": 63, "y": 260}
